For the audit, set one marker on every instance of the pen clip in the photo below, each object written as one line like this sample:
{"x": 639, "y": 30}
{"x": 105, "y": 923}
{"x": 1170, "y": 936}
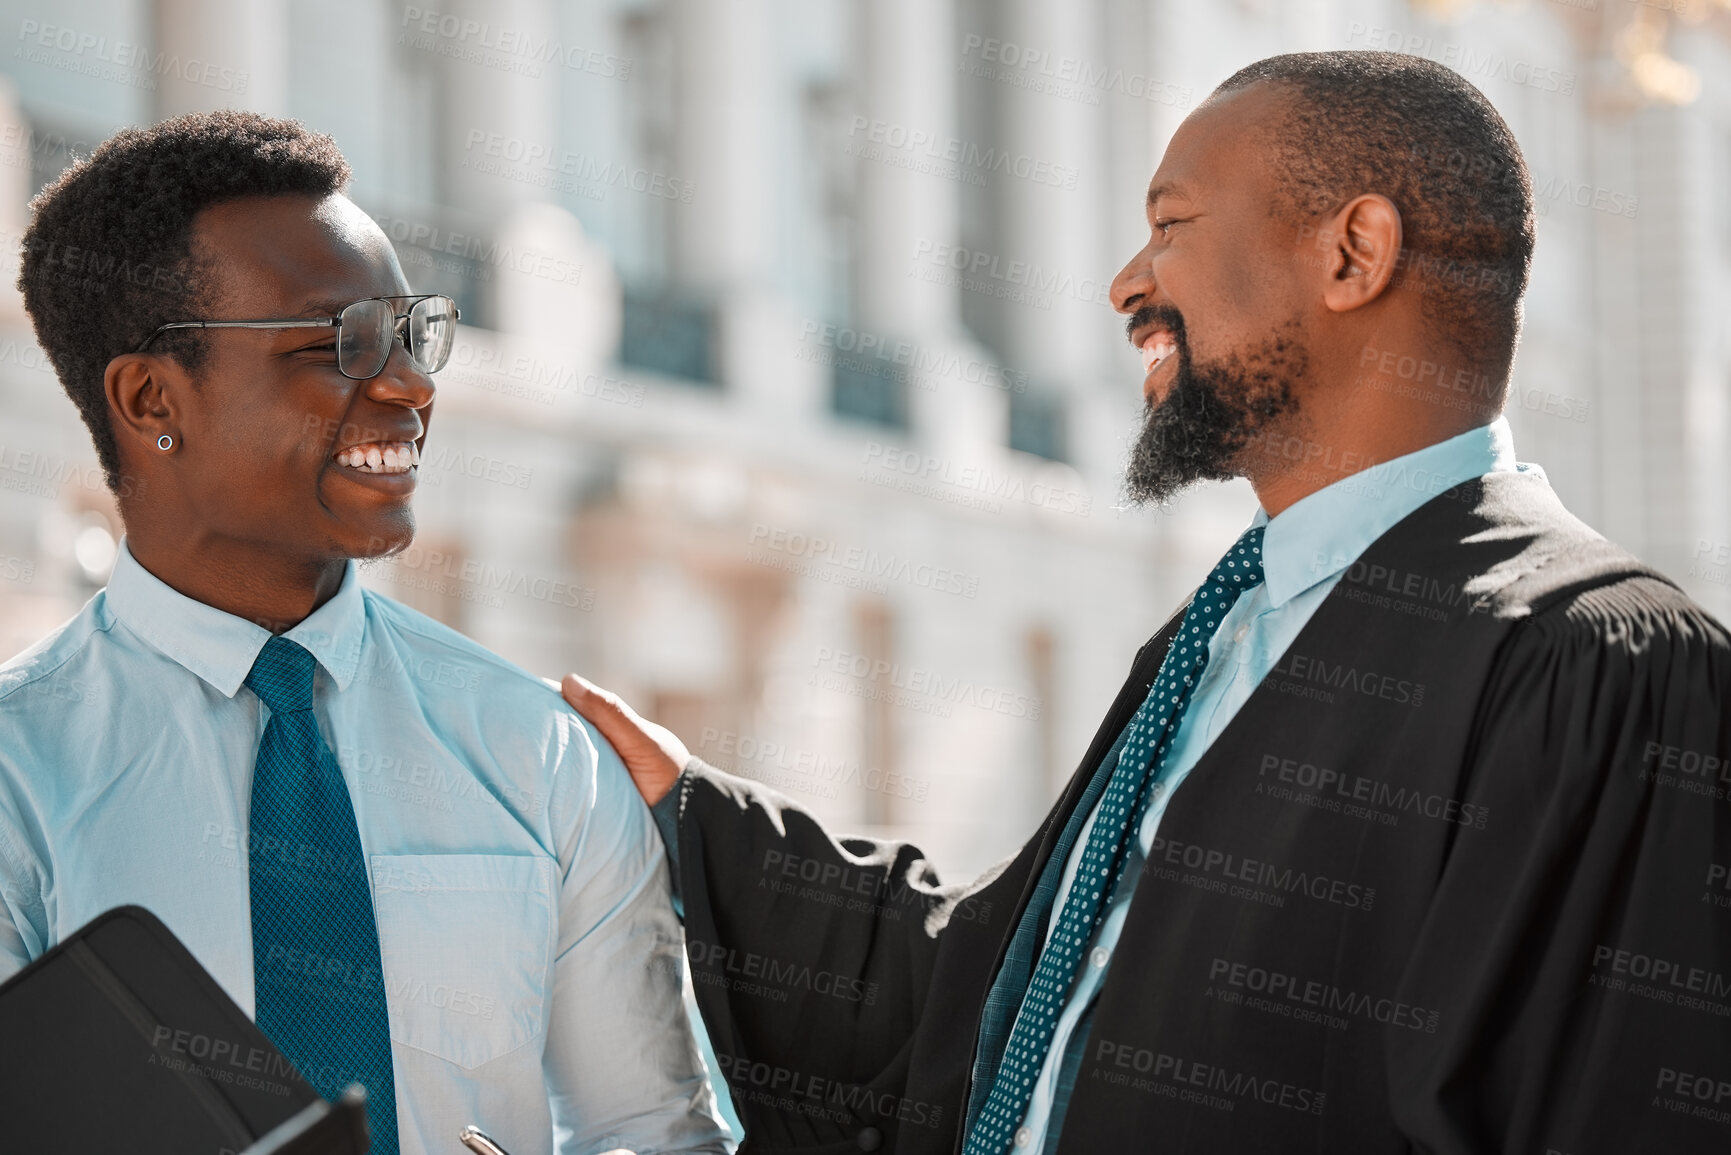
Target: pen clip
{"x": 477, "y": 1141}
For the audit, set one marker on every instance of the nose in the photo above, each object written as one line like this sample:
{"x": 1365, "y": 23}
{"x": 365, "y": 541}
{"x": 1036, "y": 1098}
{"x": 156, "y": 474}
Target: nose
{"x": 1130, "y": 288}
{"x": 401, "y": 381}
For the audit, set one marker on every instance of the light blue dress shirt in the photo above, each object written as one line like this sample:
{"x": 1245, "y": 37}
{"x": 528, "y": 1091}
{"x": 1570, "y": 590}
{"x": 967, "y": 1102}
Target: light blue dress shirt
{"x": 1304, "y": 551}
{"x": 531, "y": 960}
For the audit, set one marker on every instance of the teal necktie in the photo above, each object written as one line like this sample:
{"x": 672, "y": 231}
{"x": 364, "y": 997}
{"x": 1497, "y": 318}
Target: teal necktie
{"x": 315, "y": 945}
{"x": 1141, "y": 763}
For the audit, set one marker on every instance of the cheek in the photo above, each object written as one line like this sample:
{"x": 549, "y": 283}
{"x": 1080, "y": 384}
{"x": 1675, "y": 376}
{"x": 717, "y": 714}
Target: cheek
{"x": 288, "y": 433}
{"x": 1231, "y": 296}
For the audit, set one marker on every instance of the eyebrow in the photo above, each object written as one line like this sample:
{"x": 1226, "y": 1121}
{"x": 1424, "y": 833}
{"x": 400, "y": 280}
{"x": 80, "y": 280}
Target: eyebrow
{"x": 326, "y": 308}
{"x": 1165, "y": 189}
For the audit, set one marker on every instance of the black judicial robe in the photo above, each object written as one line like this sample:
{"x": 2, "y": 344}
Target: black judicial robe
{"x": 1453, "y": 880}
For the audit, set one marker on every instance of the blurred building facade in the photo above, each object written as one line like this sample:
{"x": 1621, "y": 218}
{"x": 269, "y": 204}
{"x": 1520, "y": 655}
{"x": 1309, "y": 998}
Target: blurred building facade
{"x": 789, "y": 401}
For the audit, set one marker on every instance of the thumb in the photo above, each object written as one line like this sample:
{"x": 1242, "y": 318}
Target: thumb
{"x": 648, "y": 748}
{"x": 653, "y": 755}
{"x": 607, "y": 712}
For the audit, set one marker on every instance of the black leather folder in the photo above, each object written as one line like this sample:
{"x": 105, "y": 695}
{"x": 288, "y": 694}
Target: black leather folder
{"x": 117, "y": 1040}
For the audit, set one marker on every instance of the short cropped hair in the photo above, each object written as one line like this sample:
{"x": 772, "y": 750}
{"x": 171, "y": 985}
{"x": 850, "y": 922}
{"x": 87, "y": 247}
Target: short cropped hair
{"x": 1420, "y": 134}
{"x": 108, "y": 254}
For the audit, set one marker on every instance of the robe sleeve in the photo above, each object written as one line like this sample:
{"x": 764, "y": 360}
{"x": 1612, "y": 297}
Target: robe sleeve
{"x": 1579, "y": 947}
{"x": 811, "y": 958}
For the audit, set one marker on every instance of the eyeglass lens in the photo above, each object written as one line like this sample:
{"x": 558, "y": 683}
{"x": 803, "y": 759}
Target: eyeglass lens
{"x": 367, "y": 330}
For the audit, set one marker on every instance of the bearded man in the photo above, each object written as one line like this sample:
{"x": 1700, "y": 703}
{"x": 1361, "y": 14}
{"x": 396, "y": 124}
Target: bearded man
{"x": 1402, "y": 833}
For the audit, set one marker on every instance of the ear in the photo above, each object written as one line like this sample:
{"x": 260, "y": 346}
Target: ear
{"x": 144, "y": 391}
{"x": 1365, "y": 254}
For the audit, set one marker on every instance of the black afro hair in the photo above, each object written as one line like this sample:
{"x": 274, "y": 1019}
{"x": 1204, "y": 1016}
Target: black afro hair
{"x": 108, "y": 254}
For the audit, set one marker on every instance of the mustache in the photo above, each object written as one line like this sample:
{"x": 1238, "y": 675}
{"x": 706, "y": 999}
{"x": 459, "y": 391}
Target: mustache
{"x": 1166, "y": 316}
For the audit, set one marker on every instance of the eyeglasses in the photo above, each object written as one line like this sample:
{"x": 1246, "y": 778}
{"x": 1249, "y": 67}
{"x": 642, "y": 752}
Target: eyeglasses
{"x": 366, "y": 330}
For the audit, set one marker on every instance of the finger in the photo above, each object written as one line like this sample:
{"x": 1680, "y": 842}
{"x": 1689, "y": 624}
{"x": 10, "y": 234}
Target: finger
{"x": 606, "y": 711}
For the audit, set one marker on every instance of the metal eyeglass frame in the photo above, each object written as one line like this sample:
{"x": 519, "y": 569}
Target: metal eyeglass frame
{"x": 400, "y": 334}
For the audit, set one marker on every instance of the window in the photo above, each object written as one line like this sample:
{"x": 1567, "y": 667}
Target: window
{"x": 1037, "y": 423}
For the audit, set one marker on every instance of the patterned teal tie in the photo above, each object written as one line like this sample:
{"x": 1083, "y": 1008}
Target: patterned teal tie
{"x": 1145, "y": 749}
{"x": 315, "y": 945}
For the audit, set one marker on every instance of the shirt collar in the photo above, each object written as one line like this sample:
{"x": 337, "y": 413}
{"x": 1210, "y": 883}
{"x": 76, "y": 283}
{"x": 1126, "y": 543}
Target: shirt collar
{"x": 220, "y": 647}
{"x": 1317, "y": 537}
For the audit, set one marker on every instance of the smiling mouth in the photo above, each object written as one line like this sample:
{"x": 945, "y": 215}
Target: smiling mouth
{"x": 381, "y": 457}
{"x": 1156, "y": 347}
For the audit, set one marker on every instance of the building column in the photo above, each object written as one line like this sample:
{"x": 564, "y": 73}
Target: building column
{"x": 910, "y": 211}
{"x": 500, "y": 136}
{"x": 226, "y": 54}
{"x": 1058, "y": 223}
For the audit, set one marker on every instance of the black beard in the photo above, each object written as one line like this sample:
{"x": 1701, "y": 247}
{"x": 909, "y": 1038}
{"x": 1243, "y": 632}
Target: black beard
{"x": 1199, "y": 429}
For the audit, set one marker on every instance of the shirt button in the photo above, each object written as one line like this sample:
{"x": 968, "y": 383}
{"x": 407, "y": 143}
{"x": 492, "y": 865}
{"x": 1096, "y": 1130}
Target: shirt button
{"x": 1240, "y": 632}
{"x": 1101, "y": 956}
{"x": 870, "y": 1139}
{"x": 1023, "y": 1136}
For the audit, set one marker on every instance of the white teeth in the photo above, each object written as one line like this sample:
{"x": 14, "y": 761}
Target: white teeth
{"x": 1156, "y": 349}
{"x": 381, "y": 457}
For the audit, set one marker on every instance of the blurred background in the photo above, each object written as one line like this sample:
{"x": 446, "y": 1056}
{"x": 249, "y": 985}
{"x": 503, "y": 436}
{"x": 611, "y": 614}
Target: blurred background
{"x": 789, "y": 401}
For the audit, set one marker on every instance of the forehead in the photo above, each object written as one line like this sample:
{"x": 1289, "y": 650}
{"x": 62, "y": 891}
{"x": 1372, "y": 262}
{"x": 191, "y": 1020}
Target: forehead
{"x": 281, "y": 254}
{"x": 1220, "y": 153}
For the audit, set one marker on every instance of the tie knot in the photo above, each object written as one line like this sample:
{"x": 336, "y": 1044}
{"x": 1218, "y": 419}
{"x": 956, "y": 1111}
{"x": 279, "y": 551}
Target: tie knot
{"x": 1242, "y": 565}
{"x": 282, "y": 676}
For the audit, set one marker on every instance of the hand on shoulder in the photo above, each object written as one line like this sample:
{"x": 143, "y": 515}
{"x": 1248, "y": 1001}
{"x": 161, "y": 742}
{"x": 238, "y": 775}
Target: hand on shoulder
{"x": 652, "y": 754}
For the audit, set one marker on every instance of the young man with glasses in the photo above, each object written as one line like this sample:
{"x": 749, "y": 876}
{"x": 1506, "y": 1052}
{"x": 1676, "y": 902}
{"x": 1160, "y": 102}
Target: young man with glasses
{"x": 493, "y": 947}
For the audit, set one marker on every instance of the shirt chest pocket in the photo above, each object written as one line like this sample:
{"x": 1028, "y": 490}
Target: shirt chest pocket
{"x": 467, "y": 946}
